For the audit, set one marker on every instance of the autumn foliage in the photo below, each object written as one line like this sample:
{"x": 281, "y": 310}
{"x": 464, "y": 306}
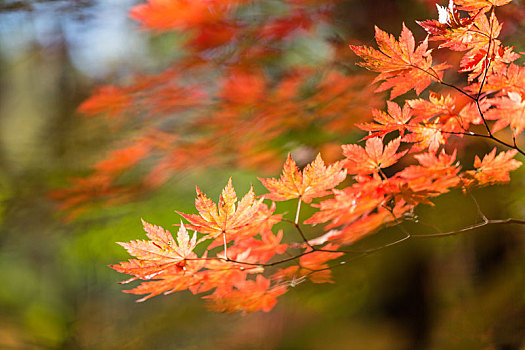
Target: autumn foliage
{"x": 234, "y": 98}
{"x": 235, "y": 256}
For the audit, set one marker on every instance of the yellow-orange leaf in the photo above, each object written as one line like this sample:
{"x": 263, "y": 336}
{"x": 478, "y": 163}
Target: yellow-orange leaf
{"x": 162, "y": 247}
{"x": 229, "y": 216}
{"x": 312, "y": 182}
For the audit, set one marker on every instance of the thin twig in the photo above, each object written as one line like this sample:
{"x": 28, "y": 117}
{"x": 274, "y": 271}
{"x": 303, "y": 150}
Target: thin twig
{"x": 301, "y": 233}
{"x": 362, "y": 253}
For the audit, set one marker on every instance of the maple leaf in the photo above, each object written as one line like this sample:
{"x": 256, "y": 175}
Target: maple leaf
{"x": 395, "y": 119}
{"x": 228, "y": 217}
{"x": 425, "y": 135}
{"x": 455, "y": 32}
{"x": 312, "y": 265}
{"x": 248, "y": 296}
{"x": 435, "y": 175}
{"x": 510, "y": 110}
{"x": 370, "y": 223}
{"x": 372, "y": 157}
{"x": 221, "y": 275}
{"x": 436, "y": 105}
{"x": 431, "y": 166}
{"x": 312, "y": 182}
{"x": 443, "y": 107}
{"x": 316, "y": 263}
{"x": 509, "y": 79}
{"x": 265, "y": 248}
{"x": 401, "y": 65}
{"x": 414, "y": 197}
{"x": 477, "y": 60}
{"x": 162, "y": 247}
{"x": 145, "y": 269}
{"x": 476, "y": 34}
{"x": 469, "y": 114}
{"x": 346, "y": 206}
{"x": 480, "y": 5}
{"x": 494, "y": 168}
{"x": 171, "y": 262}
{"x": 167, "y": 283}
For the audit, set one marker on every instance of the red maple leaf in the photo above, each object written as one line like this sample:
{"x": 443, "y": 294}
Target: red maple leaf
{"x": 372, "y": 157}
{"x": 435, "y": 175}
{"x": 456, "y": 33}
{"x": 395, "y": 119}
{"x": 401, "y": 65}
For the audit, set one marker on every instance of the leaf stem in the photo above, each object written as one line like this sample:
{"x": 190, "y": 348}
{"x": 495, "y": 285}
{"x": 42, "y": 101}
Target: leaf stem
{"x": 298, "y": 211}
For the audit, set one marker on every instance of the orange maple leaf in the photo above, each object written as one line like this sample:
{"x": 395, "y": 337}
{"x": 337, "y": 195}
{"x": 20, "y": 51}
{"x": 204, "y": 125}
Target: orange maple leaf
{"x": 168, "y": 284}
{"x": 458, "y": 34}
{"x": 436, "y": 105}
{"x": 395, "y": 119}
{"x": 172, "y": 263}
{"x": 510, "y": 110}
{"x": 480, "y": 5}
{"x": 512, "y": 78}
{"x": 368, "y": 224}
{"x": 401, "y": 65}
{"x": 312, "y": 182}
{"x": 312, "y": 265}
{"x": 162, "y": 247}
{"x": 222, "y": 275}
{"x": 228, "y": 217}
{"x": 346, "y": 206}
{"x": 435, "y": 175}
{"x": 267, "y": 247}
{"x": 494, "y": 168}
{"x": 248, "y": 296}
{"x": 425, "y": 135}
{"x": 372, "y": 157}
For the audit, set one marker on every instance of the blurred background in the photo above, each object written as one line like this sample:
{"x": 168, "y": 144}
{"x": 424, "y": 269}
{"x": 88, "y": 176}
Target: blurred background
{"x": 58, "y": 234}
